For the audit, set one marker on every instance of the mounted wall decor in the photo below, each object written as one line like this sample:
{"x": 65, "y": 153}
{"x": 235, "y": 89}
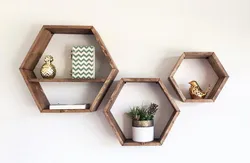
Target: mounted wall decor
{"x": 217, "y": 68}
{"x": 37, "y": 50}
{"x": 120, "y": 135}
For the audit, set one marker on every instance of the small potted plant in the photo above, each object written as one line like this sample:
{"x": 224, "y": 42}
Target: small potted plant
{"x": 143, "y": 122}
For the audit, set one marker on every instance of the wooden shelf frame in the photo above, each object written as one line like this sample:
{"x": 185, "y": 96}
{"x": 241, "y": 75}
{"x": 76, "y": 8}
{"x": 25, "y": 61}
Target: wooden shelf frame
{"x": 99, "y": 80}
{"x": 215, "y": 64}
{"x": 36, "y": 51}
{"x": 119, "y": 134}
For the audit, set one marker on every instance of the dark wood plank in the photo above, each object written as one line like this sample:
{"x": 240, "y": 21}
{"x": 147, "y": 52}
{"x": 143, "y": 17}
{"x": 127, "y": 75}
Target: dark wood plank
{"x": 168, "y": 126}
{"x": 98, "y": 99}
{"x": 130, "y": 142}
{"x": 99, "y": 80}
{"x": 114, "y": 95}
{"x": 104, "y": 48}
{"x": 199, "y": 100}
{"x": 69, "y": 29}
{"x": 65, "y": 110}
{"x": 220, "y": 87}
{"x": 35, "y": 90}
{"x": 217, "y": 88}
{"x": 141, "y": 80}
{"x": 177, "y": 88}
{"x": 177, "y": 65}
{"x": 197, "y": 55}
{"x": 217, "y": 66}
{"x": 37, "y": 49}
{"x": 169, "y": 97}
{"x": 118, "y": 132}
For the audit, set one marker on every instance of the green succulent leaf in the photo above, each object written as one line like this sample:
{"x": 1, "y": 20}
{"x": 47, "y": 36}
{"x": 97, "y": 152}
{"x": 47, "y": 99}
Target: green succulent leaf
{"x": 143, "y": 113}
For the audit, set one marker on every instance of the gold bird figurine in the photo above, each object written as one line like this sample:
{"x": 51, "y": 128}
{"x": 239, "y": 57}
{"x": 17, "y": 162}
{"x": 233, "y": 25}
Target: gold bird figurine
{"x": 48, "y": 70}
{"x": 196, "y": 91}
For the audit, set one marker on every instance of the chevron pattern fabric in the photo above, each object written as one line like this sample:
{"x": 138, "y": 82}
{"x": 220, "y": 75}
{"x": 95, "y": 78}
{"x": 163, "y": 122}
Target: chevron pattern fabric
{"x": 83, "y": 62}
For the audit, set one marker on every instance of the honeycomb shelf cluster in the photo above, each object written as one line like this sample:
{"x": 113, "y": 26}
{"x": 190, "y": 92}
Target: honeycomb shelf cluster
{"x": 33, "y": 83}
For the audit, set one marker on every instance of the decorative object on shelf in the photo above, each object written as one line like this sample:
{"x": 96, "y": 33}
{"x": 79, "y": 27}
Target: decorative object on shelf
{"x": 35, "y": 53}
{"x": 143, "y": 122}
{"x": 67, "y": 106}
{"x": 196, "y": 92}
{"x": 116, "y": 128}
{"x": 48, "y": 70}
{"x": 215, "y": 64}
{"x": 83, "y": 62}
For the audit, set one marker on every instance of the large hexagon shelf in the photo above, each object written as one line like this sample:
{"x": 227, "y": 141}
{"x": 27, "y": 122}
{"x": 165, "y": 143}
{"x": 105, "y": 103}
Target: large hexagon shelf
{"x": 217, "y": 68}
{"x": 120, "y": 135}
{"x": 35, "y": 53}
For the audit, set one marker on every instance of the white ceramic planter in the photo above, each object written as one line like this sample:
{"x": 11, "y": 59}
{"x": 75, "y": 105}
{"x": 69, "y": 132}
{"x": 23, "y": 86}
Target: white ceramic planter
{"x": 143, "y": 131}
{"x": 143, "y": 134}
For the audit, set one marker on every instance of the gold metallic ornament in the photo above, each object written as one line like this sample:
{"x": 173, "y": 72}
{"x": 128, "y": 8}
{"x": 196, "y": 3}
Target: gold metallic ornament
{"x": 48, "y": 70}
{"x": 196, "y": 92}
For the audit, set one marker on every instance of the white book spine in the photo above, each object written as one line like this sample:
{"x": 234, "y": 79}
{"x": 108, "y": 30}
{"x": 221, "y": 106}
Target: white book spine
{"x": 59, "y": 106}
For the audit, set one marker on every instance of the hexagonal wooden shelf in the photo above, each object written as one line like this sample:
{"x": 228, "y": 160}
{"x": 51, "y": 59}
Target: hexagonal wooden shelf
{"x": 129, "y": 142}
{"x": 217, "y": 67}
{"x": 35, "y": 53}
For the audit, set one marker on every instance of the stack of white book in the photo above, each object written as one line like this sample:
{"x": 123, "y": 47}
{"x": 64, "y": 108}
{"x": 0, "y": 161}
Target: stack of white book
{"x": 66, "y": 106}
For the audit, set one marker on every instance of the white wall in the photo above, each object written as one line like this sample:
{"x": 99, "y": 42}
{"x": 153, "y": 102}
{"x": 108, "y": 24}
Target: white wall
{"x": 145, "y": 39}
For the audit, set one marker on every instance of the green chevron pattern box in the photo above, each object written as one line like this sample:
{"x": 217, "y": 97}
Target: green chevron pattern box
{"x": 83, "y": 62}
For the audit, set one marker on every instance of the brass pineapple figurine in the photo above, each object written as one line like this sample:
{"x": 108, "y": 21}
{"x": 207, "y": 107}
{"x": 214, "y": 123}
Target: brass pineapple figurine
{"x": 48, "y": 70}
{"x": 196, "y": 91}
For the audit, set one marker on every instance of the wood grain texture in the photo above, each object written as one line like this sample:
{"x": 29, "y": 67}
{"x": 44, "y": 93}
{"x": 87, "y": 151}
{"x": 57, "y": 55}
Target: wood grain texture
{"x": 35, "y": 53}
{"x": 141, "y": 80}
{"x": 169, "y": 97}
{"x": 130, "y": 142}
{"x": 222, "y": 84}
{"x": 37, "y": 49}
{"x": 217, "y": 88}
{"x": 66, "y": 29}
{"x": 215, "y": 64}
{"x": 35, "y": 90}
{"x": 104, "y": 48}
{"x": 177, "y": 89}
{"x": 117, "y": 130}
{"x": 46, "y": 110}
{"x": 199, "y": 100}
{"x": 169, "y": 126}
{"x": 98, "y": 99}
{"x": 177, "y": 65}
{"x": 99, "y": 80}
{"x": 197, "y": 55}
{"x": 114, "y": 95}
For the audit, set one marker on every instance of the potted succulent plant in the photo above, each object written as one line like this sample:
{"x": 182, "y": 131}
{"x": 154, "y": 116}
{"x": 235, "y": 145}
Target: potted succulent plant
{"x": 143, "y": 122}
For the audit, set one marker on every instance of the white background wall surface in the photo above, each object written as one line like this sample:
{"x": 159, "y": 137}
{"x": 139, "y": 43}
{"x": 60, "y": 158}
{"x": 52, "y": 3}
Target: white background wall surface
{"x": 145, "y": 39}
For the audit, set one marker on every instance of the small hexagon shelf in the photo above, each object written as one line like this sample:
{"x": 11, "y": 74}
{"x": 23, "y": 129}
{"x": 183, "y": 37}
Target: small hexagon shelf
{"x": 217, "y": 68}
{"x": 120, "y": 135}
{"x": 35, "y": 53}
